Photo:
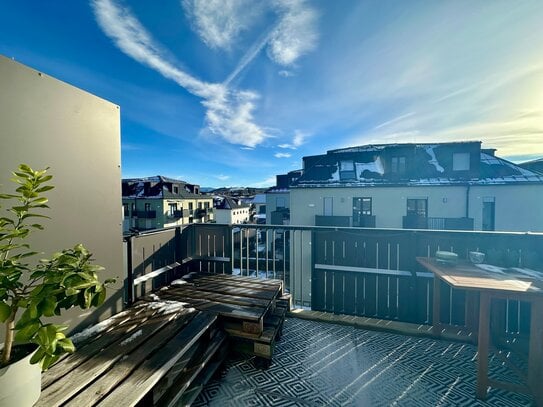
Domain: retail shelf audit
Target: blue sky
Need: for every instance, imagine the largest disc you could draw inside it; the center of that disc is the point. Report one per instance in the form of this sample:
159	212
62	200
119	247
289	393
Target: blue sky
233	92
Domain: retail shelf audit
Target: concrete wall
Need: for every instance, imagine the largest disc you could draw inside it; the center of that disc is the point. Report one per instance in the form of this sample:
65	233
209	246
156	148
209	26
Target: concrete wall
518	208
232	216
48	123
271	203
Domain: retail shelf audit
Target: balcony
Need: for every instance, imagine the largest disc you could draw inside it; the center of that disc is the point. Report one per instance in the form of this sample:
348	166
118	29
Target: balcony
145	214
365	278
433	223
344	221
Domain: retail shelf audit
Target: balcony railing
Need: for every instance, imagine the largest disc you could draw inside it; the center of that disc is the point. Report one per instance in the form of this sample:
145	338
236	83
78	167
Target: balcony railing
145	214
363	272
433	223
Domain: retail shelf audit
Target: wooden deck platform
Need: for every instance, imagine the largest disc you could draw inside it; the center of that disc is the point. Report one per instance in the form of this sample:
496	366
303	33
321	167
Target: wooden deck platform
163	350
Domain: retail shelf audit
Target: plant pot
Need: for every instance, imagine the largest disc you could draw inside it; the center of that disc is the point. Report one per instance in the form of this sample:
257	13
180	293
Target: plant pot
20	383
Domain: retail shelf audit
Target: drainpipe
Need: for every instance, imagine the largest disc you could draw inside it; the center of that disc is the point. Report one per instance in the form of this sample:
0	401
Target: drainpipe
467	200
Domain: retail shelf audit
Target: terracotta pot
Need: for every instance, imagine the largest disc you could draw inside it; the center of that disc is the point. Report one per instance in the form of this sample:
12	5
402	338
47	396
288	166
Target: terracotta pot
20	383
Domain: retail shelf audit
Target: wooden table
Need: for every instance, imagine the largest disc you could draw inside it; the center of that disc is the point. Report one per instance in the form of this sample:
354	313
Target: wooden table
491	285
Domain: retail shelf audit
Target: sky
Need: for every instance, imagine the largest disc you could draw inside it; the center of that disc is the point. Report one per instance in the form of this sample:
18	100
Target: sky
234	92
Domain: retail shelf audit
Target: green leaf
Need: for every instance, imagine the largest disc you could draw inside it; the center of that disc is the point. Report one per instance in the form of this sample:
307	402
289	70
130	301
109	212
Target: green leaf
36	357
66	345
25	334
5	311
71	291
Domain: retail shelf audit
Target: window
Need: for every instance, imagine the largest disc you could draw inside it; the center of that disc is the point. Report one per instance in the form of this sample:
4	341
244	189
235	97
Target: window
362	206
125	210
398	165
327	206
191	206
346	170
280	202
206	205
461	161
175	189
147	207
417	207
199	205
172	208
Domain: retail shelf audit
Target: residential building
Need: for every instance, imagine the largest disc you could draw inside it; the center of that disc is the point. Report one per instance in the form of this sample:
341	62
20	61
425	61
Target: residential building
229	211
259	204
428	186
159	202
278	198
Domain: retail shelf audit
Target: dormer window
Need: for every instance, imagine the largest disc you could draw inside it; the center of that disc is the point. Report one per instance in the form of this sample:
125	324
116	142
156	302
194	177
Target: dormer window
461	161
398	165
346	170
175	189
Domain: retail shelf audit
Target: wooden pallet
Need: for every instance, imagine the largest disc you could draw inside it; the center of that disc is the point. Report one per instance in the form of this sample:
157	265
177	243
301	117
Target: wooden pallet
148	356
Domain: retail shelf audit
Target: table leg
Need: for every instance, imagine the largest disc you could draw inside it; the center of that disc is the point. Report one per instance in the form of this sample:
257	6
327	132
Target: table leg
436	324
535	358
483	345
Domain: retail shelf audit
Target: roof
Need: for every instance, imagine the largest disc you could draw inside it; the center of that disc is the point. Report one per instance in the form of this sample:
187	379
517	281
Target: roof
156	187
227	202
427	164
259	199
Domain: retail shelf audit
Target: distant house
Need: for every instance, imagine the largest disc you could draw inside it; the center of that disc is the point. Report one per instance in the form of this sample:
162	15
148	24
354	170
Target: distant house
533	165
259	203
158	202
229	211
278	198
430	186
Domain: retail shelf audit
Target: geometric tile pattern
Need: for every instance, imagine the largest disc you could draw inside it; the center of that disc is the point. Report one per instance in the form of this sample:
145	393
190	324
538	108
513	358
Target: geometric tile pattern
321	364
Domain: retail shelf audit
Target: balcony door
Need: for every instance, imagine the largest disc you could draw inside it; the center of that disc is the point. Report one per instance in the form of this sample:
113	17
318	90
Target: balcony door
361	208
328	206
489	213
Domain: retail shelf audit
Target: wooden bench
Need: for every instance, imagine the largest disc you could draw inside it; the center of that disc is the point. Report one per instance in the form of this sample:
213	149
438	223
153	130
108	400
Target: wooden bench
163	349
147	356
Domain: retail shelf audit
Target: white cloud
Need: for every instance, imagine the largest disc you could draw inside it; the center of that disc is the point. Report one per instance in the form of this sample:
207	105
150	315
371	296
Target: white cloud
282	155
229	112
296	32
220	22
298	139
268	182
223	177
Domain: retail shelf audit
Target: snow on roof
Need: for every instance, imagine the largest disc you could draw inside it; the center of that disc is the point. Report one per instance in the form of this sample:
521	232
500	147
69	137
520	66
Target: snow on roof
374	166
433	159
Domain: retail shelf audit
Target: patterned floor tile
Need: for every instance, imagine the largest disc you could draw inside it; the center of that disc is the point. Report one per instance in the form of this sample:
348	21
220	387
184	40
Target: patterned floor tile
318	364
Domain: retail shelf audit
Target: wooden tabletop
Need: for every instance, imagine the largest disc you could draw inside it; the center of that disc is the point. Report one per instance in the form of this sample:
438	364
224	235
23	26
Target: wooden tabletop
484	277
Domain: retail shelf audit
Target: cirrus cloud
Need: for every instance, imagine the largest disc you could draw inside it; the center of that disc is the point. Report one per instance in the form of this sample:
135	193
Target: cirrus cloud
229	112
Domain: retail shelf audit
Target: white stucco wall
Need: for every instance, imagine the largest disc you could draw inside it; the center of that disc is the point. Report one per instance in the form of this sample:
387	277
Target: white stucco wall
232	216
518	208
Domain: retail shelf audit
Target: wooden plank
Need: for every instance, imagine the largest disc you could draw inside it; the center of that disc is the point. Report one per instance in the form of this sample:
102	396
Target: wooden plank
339	292
253	280
90	348
172	396
237	283
329	292
243	292
122	369
317	297
180	293
349	306
150	372
62	390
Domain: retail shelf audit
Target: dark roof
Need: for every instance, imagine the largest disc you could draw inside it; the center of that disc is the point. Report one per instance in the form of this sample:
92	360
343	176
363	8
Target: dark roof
426	164
157	187
227	202
533	165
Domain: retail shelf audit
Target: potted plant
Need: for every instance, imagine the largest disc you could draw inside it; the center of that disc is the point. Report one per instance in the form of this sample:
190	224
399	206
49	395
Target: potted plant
32	290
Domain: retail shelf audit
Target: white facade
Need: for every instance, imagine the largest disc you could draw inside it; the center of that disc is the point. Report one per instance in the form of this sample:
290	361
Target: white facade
517	207
232	216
